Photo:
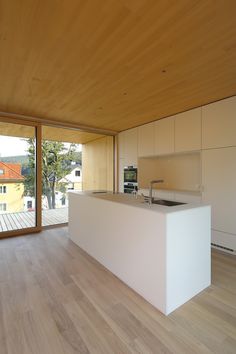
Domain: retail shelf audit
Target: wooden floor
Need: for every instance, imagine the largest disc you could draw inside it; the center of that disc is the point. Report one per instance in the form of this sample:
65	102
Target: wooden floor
54	298
16	221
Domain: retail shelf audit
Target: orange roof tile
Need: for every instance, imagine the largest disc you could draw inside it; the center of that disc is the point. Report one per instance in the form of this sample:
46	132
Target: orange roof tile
10	171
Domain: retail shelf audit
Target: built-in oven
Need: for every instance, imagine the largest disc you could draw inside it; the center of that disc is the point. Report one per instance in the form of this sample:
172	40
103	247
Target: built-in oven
130	179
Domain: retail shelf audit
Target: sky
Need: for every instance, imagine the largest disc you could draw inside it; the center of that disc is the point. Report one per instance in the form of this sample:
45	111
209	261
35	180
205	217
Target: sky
12	146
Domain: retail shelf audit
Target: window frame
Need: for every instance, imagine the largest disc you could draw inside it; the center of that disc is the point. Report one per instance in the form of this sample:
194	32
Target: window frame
2	204
31	203
38	174
3	189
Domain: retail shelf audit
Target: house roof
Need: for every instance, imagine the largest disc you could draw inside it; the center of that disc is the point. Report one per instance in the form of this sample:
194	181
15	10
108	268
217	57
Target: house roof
12	171
70	178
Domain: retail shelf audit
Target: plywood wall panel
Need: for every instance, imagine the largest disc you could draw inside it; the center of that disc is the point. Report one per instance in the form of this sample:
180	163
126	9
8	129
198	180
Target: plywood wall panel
97	164
179	172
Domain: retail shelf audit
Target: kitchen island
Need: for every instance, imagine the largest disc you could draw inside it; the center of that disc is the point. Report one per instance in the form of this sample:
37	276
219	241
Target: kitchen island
161	252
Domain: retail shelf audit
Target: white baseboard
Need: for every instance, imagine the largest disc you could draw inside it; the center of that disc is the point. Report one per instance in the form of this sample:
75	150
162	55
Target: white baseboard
225	240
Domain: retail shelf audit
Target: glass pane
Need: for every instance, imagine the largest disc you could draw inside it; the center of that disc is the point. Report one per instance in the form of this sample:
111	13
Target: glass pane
62	151
17	177
62	171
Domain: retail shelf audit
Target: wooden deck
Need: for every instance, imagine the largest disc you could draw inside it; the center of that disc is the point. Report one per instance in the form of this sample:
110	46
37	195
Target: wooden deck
16	221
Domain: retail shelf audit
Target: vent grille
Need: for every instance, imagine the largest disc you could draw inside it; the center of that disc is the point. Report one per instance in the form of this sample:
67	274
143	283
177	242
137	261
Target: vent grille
223	248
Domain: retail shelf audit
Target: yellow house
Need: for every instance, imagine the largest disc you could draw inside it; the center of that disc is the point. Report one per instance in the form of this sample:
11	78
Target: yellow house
11	188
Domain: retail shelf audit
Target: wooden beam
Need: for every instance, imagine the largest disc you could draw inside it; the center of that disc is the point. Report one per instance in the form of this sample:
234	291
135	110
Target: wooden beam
38	172
55	123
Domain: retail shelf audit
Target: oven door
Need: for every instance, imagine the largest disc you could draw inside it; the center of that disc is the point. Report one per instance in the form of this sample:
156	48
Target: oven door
130	187
130	175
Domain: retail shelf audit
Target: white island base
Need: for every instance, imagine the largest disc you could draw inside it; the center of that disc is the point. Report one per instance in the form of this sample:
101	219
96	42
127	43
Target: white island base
163	253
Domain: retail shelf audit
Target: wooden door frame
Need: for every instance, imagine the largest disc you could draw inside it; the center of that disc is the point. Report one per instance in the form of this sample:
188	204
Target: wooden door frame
38	171
38	124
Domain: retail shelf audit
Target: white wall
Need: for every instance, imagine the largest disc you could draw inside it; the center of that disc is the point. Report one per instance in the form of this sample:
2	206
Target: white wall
210	129
72	176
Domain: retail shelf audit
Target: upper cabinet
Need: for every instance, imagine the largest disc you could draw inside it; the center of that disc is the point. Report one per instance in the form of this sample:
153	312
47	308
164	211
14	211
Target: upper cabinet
128	146
188	131
219	124
164	136
146	140
210	126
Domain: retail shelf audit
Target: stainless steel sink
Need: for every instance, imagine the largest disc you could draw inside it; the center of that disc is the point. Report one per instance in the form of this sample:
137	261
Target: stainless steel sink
99	192
165	202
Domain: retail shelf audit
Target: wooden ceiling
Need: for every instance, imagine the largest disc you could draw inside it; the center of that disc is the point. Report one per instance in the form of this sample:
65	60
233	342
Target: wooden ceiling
69	136
48	133
115	64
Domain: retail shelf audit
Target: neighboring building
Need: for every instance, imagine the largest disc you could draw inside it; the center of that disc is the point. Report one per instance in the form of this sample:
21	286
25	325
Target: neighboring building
74	179
61	201
29	203
11	188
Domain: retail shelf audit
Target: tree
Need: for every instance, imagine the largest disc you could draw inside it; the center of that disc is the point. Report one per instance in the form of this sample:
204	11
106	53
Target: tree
56	164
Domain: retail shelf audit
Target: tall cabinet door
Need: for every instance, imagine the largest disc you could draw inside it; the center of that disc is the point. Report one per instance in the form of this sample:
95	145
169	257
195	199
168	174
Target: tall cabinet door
146	139
131	147
219	124
219	183
188	130
164	136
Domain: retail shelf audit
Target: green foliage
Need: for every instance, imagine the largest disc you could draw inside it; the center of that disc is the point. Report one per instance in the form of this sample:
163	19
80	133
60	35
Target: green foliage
56	164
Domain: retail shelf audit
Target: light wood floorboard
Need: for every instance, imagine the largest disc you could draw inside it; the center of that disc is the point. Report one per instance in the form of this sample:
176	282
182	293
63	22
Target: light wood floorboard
54	298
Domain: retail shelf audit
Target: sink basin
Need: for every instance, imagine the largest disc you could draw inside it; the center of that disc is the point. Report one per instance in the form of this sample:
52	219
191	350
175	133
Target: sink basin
99	192
165	202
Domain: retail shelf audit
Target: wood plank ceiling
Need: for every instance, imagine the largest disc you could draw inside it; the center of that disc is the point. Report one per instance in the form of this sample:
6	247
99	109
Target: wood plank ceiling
115	64
48	133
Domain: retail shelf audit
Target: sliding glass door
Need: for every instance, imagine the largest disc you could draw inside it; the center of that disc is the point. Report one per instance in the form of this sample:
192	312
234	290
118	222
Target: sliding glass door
39	165
61	172
18	179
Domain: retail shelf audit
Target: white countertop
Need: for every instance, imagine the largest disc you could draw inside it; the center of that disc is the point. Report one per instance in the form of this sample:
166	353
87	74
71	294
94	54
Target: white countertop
137	201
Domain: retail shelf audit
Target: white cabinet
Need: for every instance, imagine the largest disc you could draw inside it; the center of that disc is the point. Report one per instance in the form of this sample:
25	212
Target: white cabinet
164	136
219	124
146	140
219	187
188	130
131	146
127	151
121	145
121	175
128	146
180	133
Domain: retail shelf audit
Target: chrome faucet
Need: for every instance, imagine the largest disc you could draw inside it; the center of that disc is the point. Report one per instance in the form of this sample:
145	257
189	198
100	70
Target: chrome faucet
150	189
